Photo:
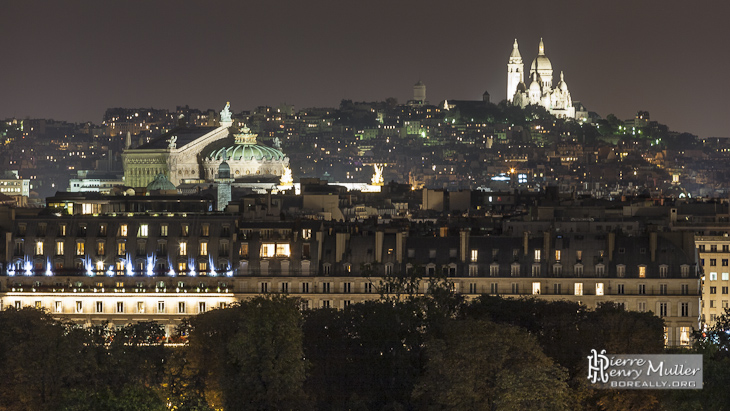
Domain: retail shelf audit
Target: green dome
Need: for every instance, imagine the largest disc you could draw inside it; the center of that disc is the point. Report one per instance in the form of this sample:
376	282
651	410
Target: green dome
160	183
246	152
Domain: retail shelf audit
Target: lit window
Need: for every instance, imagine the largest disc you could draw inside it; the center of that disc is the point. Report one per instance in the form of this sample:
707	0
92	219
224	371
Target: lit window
144	230
306	233
39	248
100	265
100	248
203	248
267	250
578	289
160	307
535	288
557	255
79	307
121	248
123	230
163	230
80	248
205	230
713	276
120	307
599	288
538	255
140	307
59	247
474	255
182	266
181	307
282	250
183	248
642	271
243	250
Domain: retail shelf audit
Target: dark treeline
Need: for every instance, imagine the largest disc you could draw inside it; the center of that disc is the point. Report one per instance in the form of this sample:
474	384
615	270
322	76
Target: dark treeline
433	352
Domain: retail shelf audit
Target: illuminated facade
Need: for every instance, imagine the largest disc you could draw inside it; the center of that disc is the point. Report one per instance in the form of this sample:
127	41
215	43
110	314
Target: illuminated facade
153	265
714	260
540	91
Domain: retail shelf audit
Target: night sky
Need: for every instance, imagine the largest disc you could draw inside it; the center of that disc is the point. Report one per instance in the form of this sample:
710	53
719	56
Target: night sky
70	60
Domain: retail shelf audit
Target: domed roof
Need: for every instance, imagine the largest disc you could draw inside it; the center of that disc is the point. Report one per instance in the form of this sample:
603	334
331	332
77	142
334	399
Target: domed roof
246	149
522	86
160	183
535	85
541	62
561	84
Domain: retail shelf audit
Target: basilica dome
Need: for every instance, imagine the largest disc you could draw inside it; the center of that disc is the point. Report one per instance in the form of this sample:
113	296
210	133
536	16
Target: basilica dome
246	157
541	63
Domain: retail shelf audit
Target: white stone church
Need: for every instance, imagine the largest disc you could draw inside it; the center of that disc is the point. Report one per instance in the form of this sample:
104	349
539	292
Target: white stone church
540	92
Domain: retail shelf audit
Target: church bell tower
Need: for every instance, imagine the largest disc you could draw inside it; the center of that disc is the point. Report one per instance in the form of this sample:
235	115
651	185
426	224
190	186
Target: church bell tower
515	71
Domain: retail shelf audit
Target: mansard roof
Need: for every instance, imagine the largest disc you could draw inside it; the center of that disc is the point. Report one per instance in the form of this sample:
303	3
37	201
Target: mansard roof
185	135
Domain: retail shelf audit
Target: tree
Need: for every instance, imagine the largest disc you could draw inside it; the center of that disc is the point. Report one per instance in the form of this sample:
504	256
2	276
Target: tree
479	365
250	356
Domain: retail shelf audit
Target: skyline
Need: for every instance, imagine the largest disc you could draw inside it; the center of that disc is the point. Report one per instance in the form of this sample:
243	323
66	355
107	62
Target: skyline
667	60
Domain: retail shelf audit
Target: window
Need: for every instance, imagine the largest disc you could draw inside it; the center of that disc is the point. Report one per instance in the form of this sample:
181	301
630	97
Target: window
724	290
535	288
163	230
724	304
38	247
264	287
684	309
620	289
599	288
663	289
557	255
204	248
557	289
642	288
578	270
100	248
685	289
578	289
713	276
713	290
283	250
494	288
600	270
494	270
725	276
474	255
642	271
368	288
59	247
663	270
267	250
620	270
80	248
662	309
305	288
684	270
243	250
182	266
579	255
557	269
432	253
99	307
181	307
58	307
140	307
144	230
515	288
684	333
201	307
205	230
185	230
473	270
641	306
536	270
160	307
79	307
325	287
538	255
62	230
123	230
515	270
285	288
347	288
306	233
325	303
120	307
713	262
183	248
121	248
202	266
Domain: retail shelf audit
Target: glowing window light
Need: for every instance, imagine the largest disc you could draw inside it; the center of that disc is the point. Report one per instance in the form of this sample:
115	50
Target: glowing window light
150	266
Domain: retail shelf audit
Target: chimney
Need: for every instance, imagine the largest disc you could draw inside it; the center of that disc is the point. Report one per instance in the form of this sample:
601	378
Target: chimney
546	244
464	245
379	235
652	245
525	242
611	245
